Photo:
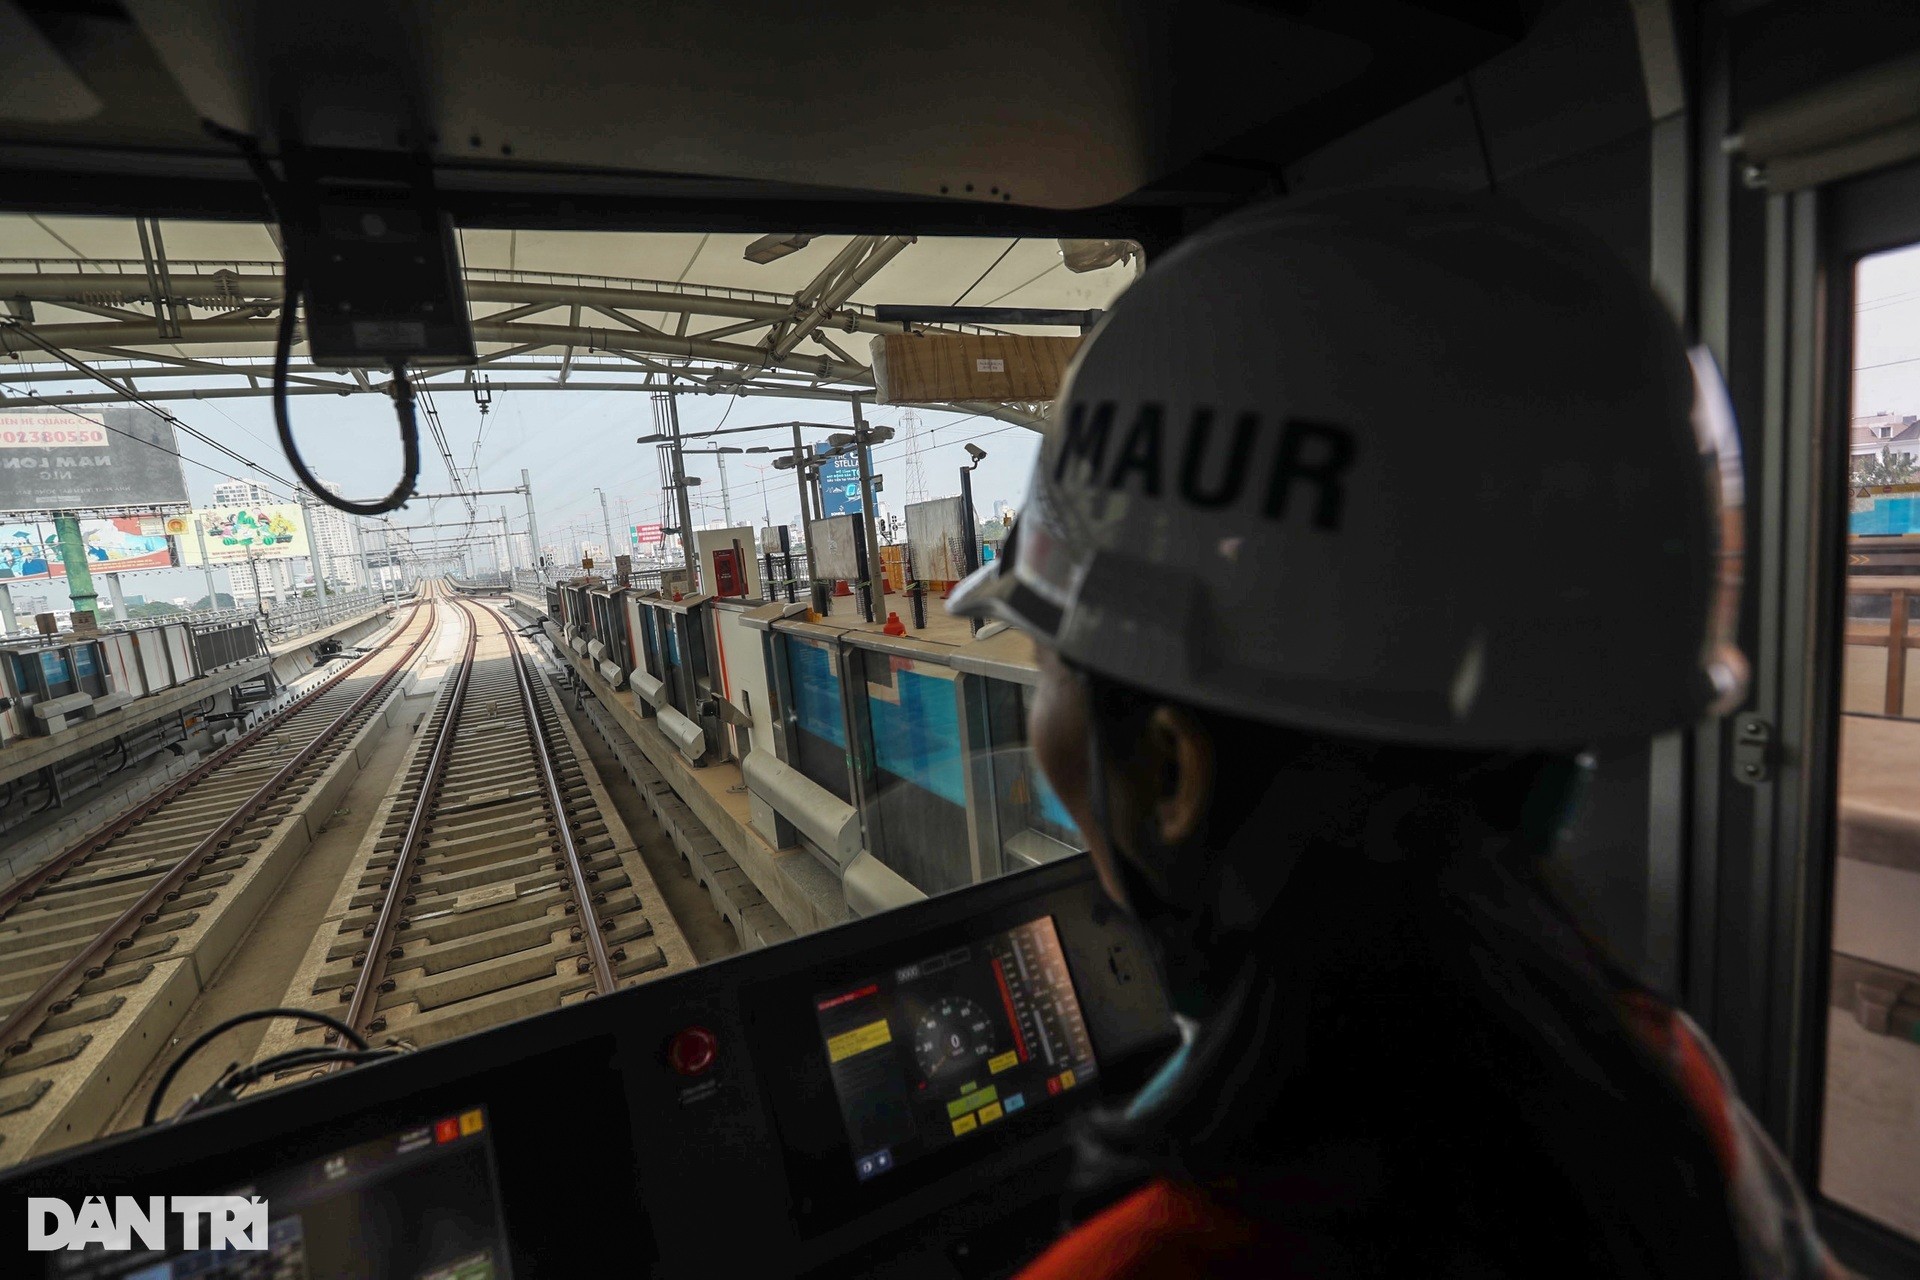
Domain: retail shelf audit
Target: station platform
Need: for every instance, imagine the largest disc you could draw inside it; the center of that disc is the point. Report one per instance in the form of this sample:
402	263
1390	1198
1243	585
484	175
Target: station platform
287	660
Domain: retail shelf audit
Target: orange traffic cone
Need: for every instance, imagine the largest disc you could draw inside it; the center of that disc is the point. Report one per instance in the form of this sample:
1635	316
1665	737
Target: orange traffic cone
894	626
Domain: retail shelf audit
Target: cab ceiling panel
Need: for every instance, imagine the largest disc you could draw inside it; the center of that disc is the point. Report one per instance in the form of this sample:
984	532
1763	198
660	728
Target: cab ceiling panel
1060	104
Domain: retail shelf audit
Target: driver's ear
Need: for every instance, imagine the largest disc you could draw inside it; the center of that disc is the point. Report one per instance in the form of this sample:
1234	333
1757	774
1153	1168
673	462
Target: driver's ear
1182	759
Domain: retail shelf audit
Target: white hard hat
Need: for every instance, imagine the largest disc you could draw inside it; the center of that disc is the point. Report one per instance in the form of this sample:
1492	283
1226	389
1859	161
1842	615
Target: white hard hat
1414	468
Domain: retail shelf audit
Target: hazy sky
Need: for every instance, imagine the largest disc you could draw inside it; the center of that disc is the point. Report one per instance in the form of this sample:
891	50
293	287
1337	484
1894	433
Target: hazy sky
570	441
1887	333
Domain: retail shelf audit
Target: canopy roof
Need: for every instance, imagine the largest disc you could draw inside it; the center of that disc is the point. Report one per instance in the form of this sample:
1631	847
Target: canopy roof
159	308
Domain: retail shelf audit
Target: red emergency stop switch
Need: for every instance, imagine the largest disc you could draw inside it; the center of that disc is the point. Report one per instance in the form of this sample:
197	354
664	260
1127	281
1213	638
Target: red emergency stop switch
692	1052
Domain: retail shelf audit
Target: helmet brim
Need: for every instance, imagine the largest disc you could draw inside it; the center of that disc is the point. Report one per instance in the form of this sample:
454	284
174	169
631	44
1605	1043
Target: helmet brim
995	592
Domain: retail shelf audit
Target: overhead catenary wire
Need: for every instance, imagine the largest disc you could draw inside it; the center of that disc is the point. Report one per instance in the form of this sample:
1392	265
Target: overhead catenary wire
153	444
133	397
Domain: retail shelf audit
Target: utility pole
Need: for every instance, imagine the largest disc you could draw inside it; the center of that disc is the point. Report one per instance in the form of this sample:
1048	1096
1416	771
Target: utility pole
73	558
876	576
606	521
314	556
680	486
360	545
206	565
253	567
800	474
726	502
533	526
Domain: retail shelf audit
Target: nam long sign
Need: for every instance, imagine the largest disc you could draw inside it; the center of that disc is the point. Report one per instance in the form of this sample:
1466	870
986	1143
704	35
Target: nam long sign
121	456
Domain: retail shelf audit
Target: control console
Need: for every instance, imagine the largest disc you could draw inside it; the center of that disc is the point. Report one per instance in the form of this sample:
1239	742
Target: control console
892	1094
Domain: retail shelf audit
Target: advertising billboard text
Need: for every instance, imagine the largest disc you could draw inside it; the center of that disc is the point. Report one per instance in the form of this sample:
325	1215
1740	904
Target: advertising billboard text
32	549
840	482
236	534
117	456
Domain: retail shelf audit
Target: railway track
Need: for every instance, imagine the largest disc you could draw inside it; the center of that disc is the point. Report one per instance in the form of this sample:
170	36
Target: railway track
103	947
498	881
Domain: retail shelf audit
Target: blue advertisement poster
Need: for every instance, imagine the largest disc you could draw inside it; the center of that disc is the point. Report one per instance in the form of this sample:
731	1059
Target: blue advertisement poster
840	482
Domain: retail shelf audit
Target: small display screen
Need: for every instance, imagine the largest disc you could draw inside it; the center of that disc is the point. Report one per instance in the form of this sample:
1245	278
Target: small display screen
946	1048
421	1204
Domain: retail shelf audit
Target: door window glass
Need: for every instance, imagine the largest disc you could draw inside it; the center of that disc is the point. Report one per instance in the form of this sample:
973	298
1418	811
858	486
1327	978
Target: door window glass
1870	1150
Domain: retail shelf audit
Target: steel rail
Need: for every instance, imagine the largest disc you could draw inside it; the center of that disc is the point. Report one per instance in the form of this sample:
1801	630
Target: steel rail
603	975
16	1030
372	978
25	886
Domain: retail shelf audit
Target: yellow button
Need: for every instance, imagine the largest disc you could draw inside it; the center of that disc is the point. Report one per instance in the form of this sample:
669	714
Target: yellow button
1066	1079
965	1124
469	1123
1008	1059
989	1114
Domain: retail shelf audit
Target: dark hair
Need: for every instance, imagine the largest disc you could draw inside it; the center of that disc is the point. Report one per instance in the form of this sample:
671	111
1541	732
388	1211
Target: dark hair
1417	1018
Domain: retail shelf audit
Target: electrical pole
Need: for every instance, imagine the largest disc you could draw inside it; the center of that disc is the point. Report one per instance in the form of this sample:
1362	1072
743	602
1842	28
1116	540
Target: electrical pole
876	576
73	558
253	567
206	565
726	502
533	526
680	485
314	557
606	520
800	474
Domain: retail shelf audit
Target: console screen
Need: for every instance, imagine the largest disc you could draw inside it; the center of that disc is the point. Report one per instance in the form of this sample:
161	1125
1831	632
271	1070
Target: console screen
421	1204
951	1045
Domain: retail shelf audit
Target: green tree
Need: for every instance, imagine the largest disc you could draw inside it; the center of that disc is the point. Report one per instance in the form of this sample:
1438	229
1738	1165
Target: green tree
1885	467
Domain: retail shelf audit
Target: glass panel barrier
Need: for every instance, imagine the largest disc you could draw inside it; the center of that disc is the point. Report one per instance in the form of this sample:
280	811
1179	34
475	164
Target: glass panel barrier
918	824
813	670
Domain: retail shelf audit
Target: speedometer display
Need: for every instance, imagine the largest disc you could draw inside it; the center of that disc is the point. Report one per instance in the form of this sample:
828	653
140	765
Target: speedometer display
952	1038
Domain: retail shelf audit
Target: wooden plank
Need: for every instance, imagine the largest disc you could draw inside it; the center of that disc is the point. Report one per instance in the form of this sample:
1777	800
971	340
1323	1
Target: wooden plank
934	368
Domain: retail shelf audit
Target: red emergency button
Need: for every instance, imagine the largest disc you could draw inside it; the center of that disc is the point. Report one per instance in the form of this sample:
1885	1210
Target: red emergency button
692	1051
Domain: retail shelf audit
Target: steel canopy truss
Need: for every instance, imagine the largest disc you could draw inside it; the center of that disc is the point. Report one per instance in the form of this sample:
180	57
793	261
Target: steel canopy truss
157	320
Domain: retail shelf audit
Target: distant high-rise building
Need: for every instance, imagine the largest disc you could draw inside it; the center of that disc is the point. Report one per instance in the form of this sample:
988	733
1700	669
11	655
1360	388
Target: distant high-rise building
330	534
235	493
1002	510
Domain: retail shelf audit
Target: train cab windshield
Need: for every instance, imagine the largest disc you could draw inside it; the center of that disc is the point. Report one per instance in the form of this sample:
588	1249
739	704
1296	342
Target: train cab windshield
1087	640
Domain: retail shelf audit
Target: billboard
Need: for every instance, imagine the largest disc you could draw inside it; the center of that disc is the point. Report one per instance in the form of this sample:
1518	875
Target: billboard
32	549
118	456
646	535
840	482
235	535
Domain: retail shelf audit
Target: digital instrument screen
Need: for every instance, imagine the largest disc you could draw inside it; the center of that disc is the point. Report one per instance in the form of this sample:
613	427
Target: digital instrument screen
944	1049
422	1204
